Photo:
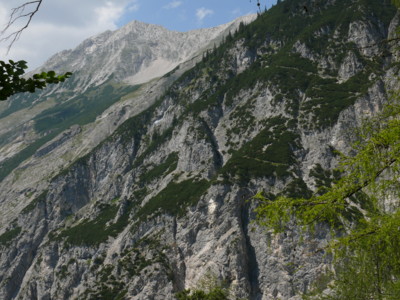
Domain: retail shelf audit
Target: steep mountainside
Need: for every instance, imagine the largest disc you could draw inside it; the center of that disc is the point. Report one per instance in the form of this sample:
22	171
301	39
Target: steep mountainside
161	203
106	69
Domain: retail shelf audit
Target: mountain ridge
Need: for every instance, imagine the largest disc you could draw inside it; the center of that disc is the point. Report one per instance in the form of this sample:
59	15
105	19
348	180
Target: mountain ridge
173	46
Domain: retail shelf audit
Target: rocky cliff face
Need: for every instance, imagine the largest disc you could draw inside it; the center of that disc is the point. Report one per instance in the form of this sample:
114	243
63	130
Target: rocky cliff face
161	203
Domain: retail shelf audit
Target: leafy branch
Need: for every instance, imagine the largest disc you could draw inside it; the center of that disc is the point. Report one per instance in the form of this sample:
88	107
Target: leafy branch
12	80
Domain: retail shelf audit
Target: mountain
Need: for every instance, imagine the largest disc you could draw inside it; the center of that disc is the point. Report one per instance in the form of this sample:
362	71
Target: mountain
151	197
118	62
137	52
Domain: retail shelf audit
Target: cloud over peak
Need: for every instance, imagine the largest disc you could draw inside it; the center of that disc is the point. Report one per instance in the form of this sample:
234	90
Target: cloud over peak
203	12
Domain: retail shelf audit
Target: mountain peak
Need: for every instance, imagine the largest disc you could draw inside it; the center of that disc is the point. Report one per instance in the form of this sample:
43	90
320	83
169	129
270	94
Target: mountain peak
137	52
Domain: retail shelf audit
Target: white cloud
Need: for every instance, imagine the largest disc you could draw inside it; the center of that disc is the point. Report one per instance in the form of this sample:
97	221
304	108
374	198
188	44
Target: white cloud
173	4
109	13
203	12
60	25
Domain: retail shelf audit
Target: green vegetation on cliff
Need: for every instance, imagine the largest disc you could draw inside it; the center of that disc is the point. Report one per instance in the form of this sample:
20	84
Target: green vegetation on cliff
363	203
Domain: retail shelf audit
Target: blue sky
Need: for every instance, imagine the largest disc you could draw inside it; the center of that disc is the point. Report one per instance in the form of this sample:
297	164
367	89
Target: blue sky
184	15
64	24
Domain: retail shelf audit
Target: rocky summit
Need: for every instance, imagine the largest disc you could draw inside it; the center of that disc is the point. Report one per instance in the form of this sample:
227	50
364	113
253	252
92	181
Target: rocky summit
134	179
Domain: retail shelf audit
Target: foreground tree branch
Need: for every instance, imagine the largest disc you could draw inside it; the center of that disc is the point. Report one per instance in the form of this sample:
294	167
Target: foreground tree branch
13	82
18	13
